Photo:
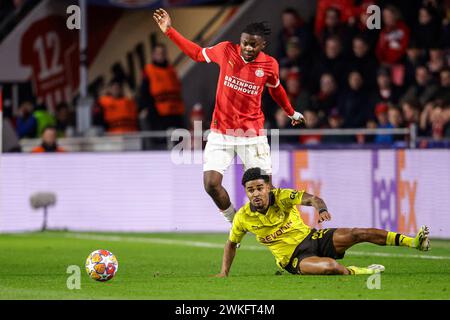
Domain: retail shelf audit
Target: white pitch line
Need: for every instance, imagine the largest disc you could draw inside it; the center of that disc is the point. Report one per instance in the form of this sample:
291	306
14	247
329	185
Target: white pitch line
200	244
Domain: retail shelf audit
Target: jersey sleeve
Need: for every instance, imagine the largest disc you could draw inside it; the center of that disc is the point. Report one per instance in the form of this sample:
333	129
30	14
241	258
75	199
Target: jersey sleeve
291	197
215	53
237	231
273	80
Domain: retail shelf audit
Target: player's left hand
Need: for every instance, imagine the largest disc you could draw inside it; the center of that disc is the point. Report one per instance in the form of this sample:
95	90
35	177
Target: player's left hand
324	216
297	118
297	122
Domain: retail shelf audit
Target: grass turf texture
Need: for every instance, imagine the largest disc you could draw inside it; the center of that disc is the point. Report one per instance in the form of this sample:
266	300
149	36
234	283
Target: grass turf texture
178	266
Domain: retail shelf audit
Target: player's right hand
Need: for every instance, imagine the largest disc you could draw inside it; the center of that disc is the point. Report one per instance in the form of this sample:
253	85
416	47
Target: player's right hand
163	20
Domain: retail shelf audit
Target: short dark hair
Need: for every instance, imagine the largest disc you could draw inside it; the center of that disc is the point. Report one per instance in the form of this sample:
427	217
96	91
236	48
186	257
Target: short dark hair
258	29
254	174
292	11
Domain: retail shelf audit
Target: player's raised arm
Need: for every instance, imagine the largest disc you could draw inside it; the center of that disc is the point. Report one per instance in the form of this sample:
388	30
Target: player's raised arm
316	202
228	255
191	49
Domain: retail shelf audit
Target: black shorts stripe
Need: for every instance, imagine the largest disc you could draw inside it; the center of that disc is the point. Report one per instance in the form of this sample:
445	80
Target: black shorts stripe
397	239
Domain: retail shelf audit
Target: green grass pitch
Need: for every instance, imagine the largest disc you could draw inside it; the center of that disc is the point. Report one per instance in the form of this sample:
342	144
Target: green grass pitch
178	266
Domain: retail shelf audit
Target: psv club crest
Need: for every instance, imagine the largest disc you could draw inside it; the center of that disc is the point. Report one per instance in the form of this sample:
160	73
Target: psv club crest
259	73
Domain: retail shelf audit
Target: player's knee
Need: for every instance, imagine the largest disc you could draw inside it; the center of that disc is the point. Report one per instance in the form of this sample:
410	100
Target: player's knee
212	187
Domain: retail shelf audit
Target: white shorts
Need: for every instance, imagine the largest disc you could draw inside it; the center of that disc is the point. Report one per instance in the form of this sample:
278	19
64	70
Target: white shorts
221	149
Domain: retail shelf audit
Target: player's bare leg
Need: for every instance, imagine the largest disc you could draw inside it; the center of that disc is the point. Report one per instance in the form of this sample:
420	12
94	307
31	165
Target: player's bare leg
212	181
344	238
322	266
328	266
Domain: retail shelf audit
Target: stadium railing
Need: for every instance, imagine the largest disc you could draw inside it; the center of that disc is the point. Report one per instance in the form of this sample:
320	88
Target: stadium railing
166	140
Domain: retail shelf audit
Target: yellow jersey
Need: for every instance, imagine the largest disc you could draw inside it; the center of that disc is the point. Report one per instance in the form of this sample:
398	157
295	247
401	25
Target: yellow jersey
281	228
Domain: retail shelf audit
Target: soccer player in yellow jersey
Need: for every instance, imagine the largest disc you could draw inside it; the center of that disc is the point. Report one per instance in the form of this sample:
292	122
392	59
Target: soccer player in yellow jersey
273	217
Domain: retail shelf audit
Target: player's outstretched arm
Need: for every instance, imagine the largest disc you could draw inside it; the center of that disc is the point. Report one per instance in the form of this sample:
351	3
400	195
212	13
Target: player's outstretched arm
228	255
316	202
191	49
279	95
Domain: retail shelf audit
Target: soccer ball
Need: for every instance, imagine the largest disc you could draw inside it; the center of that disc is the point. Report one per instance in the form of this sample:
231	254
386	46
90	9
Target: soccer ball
101	265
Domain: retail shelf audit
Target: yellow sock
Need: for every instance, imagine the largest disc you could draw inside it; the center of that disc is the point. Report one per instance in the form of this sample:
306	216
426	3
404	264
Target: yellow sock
397	239
359	270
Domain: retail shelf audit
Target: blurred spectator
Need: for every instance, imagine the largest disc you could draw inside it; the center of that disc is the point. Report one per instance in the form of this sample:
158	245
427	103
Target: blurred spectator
443	92
333	27
293	26
64	120
424	89
414	58
326	99
26	123
446	115
394	37
345	7
294	61
364	61
395	117
386	91
381	113
408	9
427	32
411	112
332	61
360	26
116	112
293	86
353	102
336	121
436	62
445	34
161	103
49	142
283	122
368	138
311	122
433	120
44	118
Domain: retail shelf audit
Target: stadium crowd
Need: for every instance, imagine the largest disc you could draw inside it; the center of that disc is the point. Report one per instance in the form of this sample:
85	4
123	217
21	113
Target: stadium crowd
340	74
336	71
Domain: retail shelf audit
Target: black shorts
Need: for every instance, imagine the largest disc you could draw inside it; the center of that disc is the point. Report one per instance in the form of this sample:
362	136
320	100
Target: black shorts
318	243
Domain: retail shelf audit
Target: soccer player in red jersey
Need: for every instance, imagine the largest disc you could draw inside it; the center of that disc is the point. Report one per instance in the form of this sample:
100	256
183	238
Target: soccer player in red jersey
238	121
